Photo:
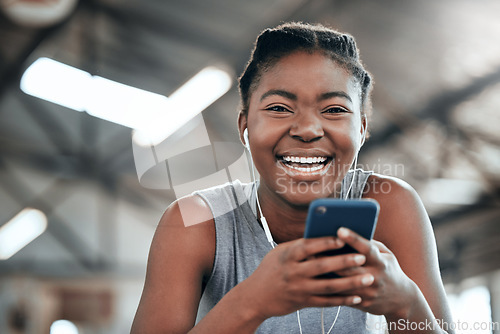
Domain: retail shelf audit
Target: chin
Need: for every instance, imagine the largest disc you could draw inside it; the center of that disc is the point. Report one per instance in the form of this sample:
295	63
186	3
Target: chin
301	193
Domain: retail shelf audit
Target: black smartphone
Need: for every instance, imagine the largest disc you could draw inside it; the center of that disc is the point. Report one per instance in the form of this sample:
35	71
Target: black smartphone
327	215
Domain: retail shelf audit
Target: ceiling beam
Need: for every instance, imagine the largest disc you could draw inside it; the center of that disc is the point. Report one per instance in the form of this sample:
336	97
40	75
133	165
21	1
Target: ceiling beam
438	108
13	71
56	225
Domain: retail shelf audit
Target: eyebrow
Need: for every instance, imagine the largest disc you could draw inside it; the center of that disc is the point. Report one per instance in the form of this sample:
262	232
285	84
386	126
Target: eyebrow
291	96
329	95
279	92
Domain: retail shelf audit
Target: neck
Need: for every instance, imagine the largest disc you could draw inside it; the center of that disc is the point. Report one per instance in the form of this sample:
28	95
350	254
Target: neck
286	221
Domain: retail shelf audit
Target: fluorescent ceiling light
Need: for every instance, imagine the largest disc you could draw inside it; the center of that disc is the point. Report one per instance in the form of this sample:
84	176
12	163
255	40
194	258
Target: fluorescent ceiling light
185	103
58	83
20	231
154	116
128	106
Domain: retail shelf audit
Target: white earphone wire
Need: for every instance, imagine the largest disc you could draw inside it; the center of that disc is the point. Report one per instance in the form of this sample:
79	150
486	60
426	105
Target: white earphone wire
263	220
269	236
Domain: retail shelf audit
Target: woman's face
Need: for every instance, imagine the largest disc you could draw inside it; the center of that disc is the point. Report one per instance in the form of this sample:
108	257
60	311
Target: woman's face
304	127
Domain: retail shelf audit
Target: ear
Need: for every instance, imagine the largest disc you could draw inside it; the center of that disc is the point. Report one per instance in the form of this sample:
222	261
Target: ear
242	125
363	130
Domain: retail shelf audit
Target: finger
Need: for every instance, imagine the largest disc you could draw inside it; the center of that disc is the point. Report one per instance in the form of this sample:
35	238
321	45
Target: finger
339	285
351	271
362	245
382	248
305	248
329	301
327	264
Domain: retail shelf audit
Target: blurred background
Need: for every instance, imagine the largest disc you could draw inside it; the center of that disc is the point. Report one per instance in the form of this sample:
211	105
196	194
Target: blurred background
97	191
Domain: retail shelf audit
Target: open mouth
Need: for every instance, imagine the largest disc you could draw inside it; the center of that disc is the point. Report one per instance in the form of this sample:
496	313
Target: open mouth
312	165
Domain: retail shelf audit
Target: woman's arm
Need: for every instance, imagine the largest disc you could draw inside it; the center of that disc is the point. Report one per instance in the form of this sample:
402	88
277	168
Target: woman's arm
180	261
181	256
407	287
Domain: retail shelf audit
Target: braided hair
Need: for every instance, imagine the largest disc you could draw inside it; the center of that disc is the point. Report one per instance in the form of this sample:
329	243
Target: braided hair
275	43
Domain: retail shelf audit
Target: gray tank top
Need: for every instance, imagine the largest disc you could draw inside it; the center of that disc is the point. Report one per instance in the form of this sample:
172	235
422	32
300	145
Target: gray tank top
240	246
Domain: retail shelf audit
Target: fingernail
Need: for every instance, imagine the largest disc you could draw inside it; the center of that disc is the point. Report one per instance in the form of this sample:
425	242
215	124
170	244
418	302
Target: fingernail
367	279
356	300
343	232
359	259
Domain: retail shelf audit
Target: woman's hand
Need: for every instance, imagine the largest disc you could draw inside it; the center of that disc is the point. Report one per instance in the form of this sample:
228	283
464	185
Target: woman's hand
391	292
285	280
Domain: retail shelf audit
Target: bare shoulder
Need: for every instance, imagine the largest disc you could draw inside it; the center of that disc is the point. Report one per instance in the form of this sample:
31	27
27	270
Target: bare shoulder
187	226
405	228
186	232
180	261
187	211
384	188
402	214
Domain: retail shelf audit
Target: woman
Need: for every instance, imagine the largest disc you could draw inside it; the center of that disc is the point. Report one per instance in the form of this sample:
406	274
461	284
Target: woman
305	99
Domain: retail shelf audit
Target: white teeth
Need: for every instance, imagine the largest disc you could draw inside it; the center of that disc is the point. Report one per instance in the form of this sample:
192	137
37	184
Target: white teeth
307	169
304	160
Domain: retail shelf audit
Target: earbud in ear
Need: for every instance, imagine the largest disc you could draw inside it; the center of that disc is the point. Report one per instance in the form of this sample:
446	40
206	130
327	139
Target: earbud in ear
363	140
363	126
245	138
363	137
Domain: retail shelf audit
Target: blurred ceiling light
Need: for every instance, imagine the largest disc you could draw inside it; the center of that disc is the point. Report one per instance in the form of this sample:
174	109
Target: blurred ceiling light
20	231
452	191
58	83
154	116
128	106
185	103
63	327
38	13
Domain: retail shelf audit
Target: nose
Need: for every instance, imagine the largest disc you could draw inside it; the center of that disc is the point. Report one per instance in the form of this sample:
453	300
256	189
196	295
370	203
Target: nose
307	128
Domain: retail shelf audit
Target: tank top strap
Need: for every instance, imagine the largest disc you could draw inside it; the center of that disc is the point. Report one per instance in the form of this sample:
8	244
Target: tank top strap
356	181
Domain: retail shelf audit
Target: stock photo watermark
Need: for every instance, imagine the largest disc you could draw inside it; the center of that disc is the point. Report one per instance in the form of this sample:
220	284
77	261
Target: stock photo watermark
427	325
189	161
320	187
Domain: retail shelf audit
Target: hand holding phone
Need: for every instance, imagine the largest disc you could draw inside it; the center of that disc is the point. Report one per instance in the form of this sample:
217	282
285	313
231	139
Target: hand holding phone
327	215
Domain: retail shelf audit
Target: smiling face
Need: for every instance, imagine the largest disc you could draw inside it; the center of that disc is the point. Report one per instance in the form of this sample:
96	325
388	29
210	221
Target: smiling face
304	127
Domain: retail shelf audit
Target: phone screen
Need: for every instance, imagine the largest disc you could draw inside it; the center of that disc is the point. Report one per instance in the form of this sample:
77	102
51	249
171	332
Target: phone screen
327	215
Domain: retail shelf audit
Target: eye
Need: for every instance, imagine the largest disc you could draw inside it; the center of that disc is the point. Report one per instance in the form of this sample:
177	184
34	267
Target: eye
278	108
336	110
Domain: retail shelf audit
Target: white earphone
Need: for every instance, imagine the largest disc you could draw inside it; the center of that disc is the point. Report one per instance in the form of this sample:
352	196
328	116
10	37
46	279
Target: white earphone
364	134
245	139
262	218
247	144
267	231
363	139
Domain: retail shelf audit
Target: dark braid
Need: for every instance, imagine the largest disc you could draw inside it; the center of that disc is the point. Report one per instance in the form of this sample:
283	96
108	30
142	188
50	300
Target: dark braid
273	44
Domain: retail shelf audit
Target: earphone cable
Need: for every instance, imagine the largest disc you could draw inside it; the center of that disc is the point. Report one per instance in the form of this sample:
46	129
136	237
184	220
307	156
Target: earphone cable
271	241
